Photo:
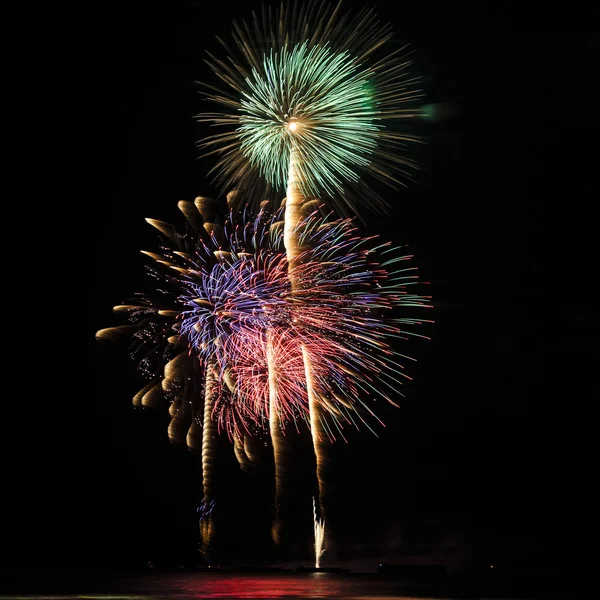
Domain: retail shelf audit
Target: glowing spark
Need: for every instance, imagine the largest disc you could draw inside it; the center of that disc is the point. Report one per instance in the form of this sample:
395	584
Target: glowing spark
319	529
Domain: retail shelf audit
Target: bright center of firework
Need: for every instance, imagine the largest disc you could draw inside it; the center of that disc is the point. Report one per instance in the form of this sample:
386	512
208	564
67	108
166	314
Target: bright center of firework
292	126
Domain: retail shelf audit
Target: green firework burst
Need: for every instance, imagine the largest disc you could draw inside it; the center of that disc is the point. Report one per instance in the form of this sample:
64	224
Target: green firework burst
307	82
312	102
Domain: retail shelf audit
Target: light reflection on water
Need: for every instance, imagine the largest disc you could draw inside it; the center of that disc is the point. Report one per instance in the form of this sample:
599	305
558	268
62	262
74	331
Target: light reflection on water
188	586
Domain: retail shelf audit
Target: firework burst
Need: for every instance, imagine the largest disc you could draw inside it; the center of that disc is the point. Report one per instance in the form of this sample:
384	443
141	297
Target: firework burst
240	340
176	331
297	86
350	300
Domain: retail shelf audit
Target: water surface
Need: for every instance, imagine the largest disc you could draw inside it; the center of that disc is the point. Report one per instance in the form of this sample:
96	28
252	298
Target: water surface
232	585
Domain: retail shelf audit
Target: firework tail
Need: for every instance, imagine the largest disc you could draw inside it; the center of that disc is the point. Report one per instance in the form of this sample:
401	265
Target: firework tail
316	429
319	529
240	452
240	438
294	204
207	208
278	441
209	435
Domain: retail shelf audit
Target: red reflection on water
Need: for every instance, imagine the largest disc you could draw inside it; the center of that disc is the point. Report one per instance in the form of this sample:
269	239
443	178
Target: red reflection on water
193	586
315	585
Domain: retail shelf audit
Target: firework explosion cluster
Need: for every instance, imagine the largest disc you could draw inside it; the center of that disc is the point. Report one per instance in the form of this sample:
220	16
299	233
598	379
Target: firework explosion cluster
280	316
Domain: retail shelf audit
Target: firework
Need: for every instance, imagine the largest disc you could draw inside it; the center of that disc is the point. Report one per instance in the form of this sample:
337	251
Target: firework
305	85
175	331
215	284
319	531
350	300
319	351
240	340
305	104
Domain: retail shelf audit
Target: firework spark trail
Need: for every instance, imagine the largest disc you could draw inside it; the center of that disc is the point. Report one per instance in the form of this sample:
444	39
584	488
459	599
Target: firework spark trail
316	428
209	435
319	530
293	217
240	451
206	209
277	438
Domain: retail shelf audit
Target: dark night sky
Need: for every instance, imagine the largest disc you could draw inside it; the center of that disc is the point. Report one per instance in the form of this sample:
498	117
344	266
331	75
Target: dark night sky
488	449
